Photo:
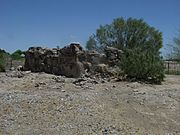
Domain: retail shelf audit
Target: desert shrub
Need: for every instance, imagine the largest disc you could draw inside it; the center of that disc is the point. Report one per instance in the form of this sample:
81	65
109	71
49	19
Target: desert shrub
143	66
2	68
2	60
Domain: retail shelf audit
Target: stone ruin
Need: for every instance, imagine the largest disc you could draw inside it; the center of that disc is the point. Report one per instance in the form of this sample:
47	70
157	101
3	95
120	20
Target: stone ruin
70	61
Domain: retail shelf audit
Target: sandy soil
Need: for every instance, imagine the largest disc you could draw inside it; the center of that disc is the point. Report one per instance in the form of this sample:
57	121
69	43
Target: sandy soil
39	103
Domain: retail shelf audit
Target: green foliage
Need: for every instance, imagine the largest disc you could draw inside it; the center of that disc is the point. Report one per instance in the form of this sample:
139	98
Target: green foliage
141	44
2	67
129	33
143	66
91	43
2	63
17	55
3	56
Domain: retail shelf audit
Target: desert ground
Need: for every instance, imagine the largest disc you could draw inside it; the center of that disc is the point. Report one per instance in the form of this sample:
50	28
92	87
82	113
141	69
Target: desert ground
44	104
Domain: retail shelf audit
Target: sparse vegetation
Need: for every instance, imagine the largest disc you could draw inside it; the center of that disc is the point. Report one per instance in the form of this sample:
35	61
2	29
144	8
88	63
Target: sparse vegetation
6	58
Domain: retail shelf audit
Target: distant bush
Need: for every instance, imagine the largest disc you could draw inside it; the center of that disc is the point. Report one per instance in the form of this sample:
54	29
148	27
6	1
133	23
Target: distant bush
3	56
17	55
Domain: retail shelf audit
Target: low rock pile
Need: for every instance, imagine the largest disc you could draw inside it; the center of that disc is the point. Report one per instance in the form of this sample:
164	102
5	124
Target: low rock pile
70	61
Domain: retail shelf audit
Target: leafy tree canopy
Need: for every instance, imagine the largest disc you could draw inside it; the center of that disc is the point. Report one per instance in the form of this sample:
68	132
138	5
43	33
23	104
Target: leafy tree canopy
139	41
123	34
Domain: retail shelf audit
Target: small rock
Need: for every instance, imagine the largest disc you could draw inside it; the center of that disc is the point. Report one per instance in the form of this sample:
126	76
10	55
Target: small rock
36	85
133	85
27	72
59	79
103	81
40	88
95	82
2	81
105	131
19	68
143	93
42	83
63	90
56	87
67	95
135	90
86	87
12	68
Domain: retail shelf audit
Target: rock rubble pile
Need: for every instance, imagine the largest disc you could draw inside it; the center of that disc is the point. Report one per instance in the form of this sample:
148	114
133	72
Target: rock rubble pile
70	61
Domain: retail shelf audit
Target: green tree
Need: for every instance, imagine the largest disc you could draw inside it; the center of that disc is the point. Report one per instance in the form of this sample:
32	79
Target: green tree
91	43
142	65
141	44
175	54
17	55
130	33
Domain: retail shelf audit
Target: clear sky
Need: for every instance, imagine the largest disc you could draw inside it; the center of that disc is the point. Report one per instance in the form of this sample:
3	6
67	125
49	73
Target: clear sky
51	23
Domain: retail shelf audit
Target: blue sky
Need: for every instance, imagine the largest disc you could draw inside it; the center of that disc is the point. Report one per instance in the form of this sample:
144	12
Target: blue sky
51	23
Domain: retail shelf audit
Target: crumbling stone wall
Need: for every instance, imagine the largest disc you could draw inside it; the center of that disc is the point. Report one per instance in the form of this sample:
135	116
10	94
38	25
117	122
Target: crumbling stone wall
56	61
70	61
112	55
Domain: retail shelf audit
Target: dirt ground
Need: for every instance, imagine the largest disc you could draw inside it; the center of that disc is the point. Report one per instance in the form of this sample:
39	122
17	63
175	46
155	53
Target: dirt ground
44	104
